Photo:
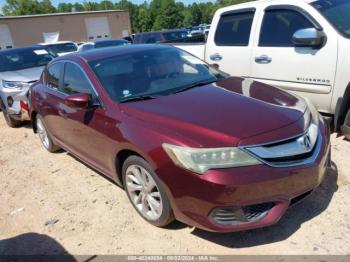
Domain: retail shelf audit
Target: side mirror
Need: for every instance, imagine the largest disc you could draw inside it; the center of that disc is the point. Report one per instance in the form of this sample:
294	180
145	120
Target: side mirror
309	37
78	101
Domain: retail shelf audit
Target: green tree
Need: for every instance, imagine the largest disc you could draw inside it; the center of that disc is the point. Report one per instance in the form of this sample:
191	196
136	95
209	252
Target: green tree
169	16
28	7
106	5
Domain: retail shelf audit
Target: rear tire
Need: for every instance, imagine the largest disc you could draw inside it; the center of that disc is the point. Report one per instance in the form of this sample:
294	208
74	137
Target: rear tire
346	126
44	136
145	192
10	121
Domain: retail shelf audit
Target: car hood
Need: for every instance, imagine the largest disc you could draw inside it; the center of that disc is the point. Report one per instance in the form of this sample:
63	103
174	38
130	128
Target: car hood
222	113
25	75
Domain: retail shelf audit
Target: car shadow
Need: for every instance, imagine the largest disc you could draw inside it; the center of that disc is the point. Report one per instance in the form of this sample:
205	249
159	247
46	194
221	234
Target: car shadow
307	209
33	245
176	225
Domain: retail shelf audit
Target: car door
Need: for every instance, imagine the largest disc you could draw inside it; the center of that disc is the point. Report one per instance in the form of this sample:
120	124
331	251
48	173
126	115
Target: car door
86	129
230	45
277	61
51	101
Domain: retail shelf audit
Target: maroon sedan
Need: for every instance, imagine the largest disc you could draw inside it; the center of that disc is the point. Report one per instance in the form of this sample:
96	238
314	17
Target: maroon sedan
185	140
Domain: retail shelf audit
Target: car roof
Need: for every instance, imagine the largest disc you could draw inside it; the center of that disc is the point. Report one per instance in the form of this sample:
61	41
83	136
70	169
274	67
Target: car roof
101	53
56	43
162	31
110	40
28	48
255	3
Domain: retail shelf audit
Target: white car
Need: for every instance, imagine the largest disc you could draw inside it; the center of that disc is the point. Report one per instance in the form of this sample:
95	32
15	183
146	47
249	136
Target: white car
60	48
19	69
301	46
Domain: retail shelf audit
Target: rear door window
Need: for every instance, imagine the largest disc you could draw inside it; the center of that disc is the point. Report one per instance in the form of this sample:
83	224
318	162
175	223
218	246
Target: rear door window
234	29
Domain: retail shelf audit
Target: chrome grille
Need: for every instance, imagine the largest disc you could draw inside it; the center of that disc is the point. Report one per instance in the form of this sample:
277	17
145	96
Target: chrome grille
295	151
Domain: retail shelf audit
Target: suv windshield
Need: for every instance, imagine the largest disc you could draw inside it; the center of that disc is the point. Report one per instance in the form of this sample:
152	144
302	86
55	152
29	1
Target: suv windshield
57	49
336	12
19	59
154	72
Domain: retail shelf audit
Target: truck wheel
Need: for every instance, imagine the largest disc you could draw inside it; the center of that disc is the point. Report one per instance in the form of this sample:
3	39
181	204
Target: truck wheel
346	126
10	121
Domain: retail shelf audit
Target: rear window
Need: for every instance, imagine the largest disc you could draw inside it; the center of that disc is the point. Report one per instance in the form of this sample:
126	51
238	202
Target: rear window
110	43
234	29
19	59
57	49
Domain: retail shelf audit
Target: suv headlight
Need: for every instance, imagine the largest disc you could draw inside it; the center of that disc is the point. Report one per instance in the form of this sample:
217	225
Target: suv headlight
14	84
201	160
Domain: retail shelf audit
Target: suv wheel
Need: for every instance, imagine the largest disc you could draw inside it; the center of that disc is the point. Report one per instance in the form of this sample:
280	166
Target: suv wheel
10	121
346	127
145	192
45	136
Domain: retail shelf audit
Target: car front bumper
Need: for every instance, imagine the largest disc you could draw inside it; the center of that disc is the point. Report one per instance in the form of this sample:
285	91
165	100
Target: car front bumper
228	200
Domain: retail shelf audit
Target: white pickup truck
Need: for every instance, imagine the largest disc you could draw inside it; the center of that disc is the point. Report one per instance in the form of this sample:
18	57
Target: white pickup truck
298	45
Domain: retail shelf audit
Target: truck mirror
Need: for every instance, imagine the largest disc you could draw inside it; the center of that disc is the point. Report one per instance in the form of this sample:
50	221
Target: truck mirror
309	37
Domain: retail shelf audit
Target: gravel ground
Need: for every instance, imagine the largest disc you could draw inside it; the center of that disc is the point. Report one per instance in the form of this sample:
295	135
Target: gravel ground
52	203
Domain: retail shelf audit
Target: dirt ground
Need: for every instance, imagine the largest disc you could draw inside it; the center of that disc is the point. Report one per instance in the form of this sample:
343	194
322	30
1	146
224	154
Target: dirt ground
52	203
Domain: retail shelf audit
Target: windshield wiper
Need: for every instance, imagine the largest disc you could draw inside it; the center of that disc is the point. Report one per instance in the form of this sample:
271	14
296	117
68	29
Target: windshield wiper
193	85
137	98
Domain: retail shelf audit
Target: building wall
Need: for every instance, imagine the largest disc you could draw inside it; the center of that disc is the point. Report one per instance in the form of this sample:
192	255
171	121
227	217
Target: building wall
29	30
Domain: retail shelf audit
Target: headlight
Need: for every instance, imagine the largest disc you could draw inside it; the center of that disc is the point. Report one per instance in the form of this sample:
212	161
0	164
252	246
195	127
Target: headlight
201	160
14	84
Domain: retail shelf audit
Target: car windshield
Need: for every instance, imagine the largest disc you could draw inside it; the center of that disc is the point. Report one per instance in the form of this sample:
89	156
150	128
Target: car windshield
19	59
57	49
154	72
110	43
336	12
174	35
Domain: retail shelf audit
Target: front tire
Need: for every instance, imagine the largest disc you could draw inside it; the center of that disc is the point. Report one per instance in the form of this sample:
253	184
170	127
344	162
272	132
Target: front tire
10	121
346	126
146	192
45	136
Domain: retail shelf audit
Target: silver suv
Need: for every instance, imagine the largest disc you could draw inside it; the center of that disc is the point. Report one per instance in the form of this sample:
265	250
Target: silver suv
19	68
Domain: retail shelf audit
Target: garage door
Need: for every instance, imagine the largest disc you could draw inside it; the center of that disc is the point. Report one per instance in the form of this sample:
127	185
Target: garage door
5	37
97	28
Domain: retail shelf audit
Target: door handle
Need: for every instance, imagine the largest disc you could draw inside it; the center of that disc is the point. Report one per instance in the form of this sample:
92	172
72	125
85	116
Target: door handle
215	57
264	59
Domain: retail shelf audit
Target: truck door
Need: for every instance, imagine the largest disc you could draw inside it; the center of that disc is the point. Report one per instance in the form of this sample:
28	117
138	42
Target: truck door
307	71
229	45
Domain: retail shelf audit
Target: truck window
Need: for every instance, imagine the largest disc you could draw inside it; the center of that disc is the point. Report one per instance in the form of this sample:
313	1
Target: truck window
279	26
234	29
151	38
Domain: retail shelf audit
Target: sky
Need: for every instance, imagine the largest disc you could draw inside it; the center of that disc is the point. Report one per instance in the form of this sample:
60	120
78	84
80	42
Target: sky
56	2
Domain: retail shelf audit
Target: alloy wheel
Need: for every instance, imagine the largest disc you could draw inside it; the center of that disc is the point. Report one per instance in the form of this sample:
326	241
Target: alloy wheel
42	133
143	192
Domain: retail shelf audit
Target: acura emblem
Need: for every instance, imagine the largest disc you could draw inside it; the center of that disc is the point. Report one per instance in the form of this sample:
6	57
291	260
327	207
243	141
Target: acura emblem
307	141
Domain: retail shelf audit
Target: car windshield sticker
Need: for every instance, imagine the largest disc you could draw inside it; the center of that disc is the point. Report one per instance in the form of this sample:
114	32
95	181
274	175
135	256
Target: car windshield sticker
40	52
